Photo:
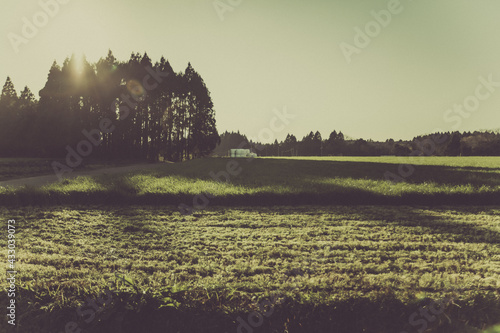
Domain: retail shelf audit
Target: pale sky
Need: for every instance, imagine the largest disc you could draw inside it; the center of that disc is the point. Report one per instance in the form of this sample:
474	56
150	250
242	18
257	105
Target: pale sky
272	54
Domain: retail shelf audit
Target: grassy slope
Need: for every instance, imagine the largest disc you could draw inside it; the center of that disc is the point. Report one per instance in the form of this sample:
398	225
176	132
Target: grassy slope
268	181
338	269
15	168
11	168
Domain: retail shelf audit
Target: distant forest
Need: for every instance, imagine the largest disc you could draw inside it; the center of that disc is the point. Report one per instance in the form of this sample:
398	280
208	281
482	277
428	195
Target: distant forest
139	110
484	143
143	111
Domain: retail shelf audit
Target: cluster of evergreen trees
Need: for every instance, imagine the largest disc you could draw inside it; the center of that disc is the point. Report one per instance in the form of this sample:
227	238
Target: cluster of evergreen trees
153	111
478	143
310	145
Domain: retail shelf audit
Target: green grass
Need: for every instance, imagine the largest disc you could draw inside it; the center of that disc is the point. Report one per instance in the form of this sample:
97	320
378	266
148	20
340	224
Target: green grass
272	181
15	168
492	162
337	269
11	168
342	247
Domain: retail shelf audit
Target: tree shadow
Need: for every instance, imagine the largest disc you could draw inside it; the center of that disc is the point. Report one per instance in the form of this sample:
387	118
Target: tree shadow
275	171
312	187
290	182
384	314
436	220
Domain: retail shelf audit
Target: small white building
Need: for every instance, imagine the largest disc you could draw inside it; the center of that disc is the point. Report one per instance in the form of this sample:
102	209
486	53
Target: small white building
242	153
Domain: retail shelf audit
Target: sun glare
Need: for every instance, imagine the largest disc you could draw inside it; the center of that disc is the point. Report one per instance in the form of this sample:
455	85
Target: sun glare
136	89
78	63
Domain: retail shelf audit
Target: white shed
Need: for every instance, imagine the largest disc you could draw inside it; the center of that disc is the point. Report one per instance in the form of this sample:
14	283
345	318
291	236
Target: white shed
241	153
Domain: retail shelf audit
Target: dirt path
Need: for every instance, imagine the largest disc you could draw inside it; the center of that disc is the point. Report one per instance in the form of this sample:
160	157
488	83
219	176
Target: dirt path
52	178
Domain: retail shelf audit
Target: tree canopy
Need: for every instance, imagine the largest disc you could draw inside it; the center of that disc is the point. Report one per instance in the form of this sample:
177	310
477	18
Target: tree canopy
153	112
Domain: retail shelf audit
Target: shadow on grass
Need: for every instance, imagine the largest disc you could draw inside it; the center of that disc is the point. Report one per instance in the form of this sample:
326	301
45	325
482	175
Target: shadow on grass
386	314
347	196
434	221
280	168
283	182
466	232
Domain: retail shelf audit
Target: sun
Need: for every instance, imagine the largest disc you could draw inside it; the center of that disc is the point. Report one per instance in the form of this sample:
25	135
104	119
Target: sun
78	63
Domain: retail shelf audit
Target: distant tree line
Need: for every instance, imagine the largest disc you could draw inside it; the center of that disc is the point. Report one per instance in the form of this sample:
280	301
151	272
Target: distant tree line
478	143
153	111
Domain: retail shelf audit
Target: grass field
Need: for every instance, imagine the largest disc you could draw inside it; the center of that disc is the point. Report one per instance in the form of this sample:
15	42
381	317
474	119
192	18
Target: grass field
11	168
325	181
325	267
326	263
14	168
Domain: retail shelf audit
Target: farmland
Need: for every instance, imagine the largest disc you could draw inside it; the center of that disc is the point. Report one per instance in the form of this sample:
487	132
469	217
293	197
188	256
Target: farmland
23	167
15	168
274	231
261	181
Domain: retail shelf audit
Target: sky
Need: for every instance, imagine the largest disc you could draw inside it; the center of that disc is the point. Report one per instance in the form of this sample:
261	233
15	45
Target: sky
371	69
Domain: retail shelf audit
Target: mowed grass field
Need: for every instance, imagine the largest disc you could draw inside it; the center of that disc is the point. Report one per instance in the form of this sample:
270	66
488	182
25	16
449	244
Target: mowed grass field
336	269
329	242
